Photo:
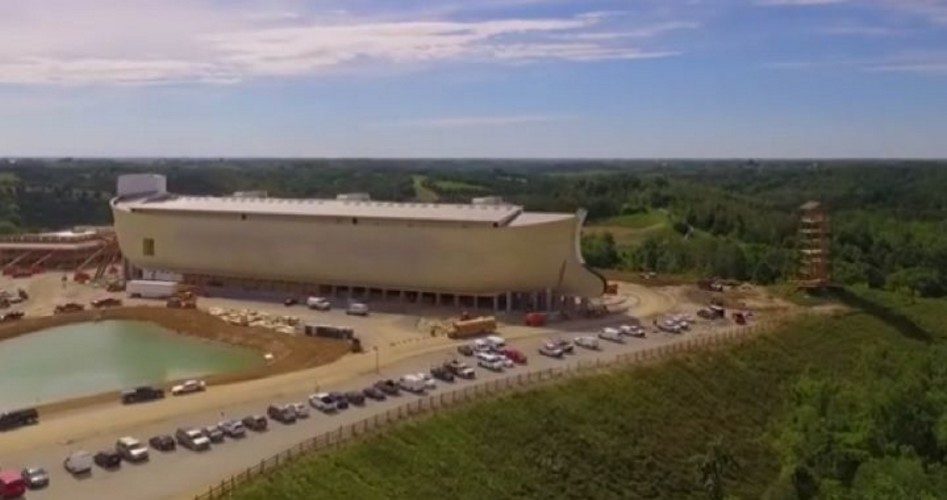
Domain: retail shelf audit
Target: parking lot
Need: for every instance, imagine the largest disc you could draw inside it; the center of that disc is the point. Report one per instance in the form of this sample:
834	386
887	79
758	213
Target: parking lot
182	473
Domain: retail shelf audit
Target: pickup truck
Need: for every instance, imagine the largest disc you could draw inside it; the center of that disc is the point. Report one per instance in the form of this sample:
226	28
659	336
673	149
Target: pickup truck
131	449
18	418
192	439
141	394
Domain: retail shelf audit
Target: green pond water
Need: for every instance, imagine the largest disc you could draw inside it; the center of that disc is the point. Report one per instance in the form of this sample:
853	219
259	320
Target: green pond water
89	358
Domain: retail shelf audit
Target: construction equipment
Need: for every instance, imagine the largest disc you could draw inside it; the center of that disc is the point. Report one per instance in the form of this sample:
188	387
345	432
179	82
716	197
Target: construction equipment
182	299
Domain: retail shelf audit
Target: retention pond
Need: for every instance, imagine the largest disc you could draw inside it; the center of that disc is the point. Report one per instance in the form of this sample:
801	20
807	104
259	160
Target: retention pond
89	358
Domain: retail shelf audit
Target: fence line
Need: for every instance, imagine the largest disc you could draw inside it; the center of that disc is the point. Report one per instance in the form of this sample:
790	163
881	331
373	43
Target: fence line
432	404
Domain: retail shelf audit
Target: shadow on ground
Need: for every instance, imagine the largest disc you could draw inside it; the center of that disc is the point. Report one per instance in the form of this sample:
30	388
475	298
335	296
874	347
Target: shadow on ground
903	324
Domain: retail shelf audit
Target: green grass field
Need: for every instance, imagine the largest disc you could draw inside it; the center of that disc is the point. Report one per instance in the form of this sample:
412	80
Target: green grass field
630	230
637	433
421	192
448	185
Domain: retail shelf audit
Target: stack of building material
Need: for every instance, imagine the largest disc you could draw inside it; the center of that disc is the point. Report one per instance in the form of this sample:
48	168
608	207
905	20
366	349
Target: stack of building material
249	317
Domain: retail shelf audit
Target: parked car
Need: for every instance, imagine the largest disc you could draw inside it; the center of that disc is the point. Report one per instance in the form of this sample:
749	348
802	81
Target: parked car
214	433
323	402
611	335
141	394
256	423
318	303
301	410
460	369
12	484
373	392
490	362
107	459
357	309
355	398
413	384
188	387
465	350
442	373
68	307
131	449
35	477
429	382
78	463
106	302
514	355
341	402
283	414
192	439
290	302
551	350
496	341
565	345
162	442
388	386
18	418
233	429
11	316
587	342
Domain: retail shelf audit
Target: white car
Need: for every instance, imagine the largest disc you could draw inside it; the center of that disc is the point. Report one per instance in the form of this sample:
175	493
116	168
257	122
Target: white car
131	449
429	382
669	326
357	309
79	462
496	341
507	362
318	303
626	329
188	387
490	362
611	335
323	402
300	410
587	342
413	383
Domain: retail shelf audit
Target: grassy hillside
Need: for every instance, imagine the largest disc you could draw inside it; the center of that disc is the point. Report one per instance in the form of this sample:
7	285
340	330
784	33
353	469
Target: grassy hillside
646	432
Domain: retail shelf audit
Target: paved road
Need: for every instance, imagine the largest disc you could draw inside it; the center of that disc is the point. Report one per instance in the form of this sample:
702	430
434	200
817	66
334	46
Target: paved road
182	473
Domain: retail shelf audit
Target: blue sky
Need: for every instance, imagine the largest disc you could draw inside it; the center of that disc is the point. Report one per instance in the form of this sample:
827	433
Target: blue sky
468	78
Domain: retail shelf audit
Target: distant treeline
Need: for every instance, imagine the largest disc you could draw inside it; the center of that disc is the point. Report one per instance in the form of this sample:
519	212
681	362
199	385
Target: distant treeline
734	219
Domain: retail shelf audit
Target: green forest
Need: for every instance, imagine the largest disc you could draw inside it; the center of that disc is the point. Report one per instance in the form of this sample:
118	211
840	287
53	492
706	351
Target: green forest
730	219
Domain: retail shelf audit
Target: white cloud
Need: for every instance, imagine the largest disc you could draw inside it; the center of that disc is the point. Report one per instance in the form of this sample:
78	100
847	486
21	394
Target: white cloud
82	42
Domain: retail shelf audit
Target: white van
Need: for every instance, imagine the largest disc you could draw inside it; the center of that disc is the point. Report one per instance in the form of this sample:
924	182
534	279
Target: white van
318	303
357	309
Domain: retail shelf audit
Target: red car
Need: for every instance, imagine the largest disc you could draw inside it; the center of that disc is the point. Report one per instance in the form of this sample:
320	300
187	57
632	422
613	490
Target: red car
515	356
12	484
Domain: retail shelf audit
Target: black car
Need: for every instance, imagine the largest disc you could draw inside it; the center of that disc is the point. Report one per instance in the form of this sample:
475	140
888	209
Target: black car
233	429
283	414
214	433
107	459
141	394
442	373
465	350
255	423
341	402
162	442
374	393
355	398
18	418
290	302
35	477
389	387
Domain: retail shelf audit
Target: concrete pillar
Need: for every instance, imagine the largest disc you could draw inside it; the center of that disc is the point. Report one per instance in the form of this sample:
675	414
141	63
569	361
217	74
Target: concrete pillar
509	302
496	303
